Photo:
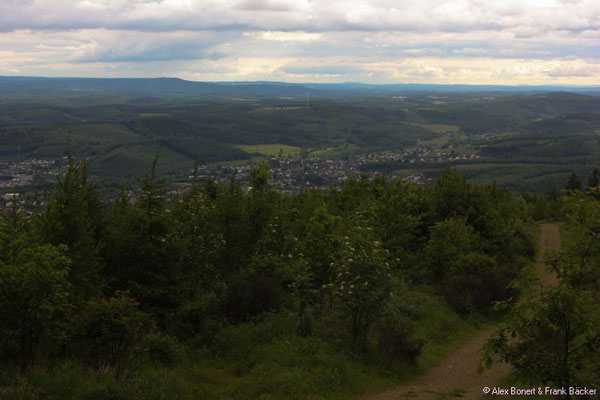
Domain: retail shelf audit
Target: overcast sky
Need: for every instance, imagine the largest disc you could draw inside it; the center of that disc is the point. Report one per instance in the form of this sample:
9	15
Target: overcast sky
377	41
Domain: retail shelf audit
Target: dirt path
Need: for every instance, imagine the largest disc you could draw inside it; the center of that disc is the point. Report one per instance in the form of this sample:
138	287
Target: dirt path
456	376
549	240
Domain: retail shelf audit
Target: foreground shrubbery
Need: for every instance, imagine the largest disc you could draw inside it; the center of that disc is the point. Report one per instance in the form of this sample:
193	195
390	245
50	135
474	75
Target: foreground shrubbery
262	359
552	337
224	294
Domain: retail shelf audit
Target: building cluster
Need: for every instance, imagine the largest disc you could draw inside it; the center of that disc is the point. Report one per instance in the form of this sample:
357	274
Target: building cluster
485	135
290	173
16	177
416	155
15	174
297	173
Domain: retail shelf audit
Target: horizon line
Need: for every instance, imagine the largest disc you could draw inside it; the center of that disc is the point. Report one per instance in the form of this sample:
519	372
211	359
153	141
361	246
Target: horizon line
309	83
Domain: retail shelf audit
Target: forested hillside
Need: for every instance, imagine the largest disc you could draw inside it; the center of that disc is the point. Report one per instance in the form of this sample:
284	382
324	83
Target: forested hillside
525	139
221	293
209	129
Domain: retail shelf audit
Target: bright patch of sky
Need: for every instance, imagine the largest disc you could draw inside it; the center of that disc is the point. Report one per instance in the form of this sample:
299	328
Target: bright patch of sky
378	41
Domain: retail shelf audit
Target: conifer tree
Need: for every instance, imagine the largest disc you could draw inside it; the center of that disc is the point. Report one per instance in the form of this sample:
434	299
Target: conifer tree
141	252
262	200
593	186
201	244
35	293
594	179
233	222
73	217
574	183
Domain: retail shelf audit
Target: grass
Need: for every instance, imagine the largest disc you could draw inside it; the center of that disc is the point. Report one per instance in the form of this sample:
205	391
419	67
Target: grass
262	360
442	331
567	234
239	163
441	127
270	149
285	368
334	151
536	232
437	142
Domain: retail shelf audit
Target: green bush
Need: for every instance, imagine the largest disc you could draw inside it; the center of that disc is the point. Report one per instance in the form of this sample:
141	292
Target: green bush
162	349
396	337
111	332
197	320
418	326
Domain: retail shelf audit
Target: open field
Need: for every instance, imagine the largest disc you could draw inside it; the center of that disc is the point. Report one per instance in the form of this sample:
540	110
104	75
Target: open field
441	127
437	142
275	149
334	151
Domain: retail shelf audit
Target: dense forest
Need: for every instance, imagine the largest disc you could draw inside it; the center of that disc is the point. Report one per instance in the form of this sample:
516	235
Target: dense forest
222	293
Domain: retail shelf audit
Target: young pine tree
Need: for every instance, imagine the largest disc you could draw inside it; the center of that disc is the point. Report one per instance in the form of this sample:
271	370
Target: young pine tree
142	255
574	182
73	217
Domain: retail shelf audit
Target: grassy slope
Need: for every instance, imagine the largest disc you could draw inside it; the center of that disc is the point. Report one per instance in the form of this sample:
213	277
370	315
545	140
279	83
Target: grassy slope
270	149
263	360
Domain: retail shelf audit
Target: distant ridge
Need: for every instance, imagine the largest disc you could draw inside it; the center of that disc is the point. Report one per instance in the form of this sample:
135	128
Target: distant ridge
69	86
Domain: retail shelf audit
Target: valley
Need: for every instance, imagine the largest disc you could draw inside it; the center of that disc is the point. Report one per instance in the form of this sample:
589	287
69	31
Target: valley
525	140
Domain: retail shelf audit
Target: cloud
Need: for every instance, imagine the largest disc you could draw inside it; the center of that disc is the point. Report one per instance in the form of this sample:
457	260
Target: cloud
121	46
320	70
574	69
300	15
286	36
263	5
370	40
